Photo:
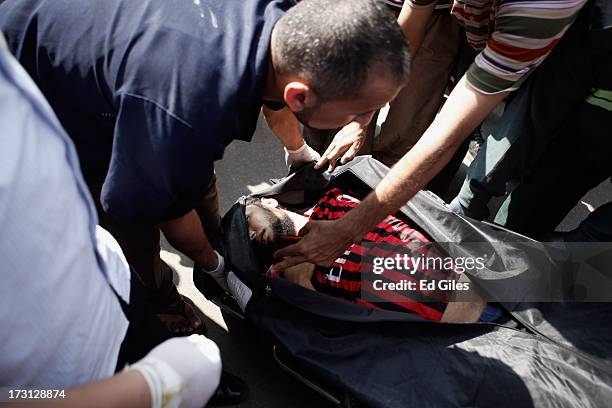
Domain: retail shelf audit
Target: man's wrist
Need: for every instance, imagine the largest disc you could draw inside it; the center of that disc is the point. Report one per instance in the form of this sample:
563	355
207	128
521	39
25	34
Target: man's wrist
292	146
208	261
360	220
349	228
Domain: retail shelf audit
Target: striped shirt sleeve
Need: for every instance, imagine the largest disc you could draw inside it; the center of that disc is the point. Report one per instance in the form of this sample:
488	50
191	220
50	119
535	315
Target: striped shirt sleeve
421	3
441	5
525	33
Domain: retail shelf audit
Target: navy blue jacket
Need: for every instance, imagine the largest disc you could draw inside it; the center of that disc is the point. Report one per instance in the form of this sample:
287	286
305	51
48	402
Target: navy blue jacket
151	91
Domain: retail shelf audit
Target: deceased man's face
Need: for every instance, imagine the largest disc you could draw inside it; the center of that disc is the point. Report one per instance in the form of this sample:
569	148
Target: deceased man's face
267	222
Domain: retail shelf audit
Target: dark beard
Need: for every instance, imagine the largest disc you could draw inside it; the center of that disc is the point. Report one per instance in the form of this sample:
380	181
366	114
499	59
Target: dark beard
280	226
304	117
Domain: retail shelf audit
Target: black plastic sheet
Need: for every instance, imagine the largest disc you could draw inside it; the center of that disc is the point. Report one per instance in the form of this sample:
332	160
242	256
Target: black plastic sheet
561	357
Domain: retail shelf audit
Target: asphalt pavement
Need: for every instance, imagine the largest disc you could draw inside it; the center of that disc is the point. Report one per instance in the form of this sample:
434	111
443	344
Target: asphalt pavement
245	168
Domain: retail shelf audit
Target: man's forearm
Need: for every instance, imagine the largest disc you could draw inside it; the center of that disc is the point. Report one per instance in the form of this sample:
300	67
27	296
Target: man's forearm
127	389
187	235
285	126
413	22
465	109
404	180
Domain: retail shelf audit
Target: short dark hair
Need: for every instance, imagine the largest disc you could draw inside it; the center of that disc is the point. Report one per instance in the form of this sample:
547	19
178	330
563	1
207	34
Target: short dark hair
249	200
258	201
336	44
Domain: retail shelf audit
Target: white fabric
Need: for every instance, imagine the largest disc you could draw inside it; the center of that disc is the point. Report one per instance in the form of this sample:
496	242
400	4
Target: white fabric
181	372
61	322
241	292
219	273
115	263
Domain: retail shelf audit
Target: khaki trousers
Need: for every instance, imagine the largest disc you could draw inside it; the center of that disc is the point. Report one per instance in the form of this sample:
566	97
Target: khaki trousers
416	106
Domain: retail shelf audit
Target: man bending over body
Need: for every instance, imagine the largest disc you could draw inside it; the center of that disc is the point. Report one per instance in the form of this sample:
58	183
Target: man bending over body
269	222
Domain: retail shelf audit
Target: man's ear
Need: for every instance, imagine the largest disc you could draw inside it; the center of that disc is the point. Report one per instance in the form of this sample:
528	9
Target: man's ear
270	202
299	96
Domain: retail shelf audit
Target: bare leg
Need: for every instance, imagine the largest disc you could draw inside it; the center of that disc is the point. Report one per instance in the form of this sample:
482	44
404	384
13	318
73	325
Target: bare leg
468	311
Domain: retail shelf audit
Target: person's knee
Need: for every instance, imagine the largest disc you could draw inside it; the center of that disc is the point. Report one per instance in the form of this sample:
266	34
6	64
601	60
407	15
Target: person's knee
211	369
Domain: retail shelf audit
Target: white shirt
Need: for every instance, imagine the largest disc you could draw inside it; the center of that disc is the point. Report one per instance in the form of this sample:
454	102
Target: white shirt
60	322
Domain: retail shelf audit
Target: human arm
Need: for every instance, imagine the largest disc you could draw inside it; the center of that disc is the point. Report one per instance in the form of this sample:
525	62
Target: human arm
346	143
488	81
301	275
181	370
187	235
160	169
467	306
324	240
287	128
126	389
285	125
413	21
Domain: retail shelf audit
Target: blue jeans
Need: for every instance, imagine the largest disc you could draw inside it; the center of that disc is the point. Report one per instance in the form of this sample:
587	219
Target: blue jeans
491	313
534	118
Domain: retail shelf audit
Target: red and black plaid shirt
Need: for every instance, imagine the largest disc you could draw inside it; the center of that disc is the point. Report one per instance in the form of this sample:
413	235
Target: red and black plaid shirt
391	236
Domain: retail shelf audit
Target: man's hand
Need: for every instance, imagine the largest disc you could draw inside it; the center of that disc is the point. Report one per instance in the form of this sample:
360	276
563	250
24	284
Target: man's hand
305	154
346	143
323	243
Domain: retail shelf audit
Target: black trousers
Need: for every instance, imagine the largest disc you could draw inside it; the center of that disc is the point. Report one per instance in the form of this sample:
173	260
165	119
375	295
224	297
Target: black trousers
145	330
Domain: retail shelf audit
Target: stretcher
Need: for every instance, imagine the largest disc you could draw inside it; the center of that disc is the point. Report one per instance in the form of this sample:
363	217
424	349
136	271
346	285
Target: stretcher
556	353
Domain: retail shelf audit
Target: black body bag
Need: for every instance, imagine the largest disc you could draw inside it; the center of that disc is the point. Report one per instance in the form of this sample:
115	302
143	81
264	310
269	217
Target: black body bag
547	354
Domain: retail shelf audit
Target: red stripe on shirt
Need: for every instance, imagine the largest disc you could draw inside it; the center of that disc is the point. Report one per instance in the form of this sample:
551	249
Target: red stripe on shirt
517	53
396	232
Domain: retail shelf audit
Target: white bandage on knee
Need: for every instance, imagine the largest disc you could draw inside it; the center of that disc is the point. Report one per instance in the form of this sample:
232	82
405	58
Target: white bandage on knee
181	372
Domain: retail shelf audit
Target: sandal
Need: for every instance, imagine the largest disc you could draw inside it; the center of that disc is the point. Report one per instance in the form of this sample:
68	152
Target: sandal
174	310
